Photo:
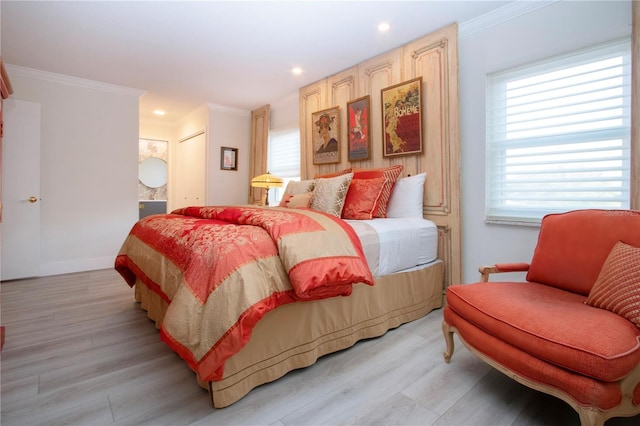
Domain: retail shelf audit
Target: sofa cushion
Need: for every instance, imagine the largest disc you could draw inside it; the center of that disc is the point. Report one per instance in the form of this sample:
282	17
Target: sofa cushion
551	324
573	246
617	288
586	390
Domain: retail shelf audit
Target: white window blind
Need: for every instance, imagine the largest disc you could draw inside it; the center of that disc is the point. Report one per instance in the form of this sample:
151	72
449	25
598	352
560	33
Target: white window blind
558	135
283	159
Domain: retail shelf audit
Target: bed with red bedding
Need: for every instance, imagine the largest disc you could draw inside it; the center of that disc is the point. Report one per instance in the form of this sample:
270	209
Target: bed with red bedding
246	294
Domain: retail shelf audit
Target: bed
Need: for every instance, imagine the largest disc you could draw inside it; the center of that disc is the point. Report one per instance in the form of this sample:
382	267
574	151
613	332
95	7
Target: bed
387	274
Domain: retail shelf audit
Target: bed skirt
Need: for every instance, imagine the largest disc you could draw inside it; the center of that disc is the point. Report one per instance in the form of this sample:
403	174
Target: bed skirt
295	335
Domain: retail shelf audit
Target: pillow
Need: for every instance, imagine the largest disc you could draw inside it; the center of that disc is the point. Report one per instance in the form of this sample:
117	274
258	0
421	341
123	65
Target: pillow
391	174
362	198
407	197
334	174
296	201
330	193
617	288
297	188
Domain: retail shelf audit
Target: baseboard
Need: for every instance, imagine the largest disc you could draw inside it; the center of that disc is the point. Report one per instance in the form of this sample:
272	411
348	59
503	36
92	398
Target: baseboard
79	265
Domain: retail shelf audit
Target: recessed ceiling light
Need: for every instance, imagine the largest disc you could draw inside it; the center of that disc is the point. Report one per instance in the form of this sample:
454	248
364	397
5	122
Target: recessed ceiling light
383	27
296	70
159	112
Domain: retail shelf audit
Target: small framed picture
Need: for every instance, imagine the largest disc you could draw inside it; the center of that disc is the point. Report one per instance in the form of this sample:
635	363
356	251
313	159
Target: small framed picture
358	128
402	118
228	158
326	134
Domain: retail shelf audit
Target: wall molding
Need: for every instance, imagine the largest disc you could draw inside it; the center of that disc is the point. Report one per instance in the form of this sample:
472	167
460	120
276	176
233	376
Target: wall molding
228	109
74	81
498	16
76	265
291	98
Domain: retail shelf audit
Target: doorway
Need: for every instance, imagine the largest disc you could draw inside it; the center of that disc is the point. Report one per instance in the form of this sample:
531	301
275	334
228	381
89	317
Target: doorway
152	177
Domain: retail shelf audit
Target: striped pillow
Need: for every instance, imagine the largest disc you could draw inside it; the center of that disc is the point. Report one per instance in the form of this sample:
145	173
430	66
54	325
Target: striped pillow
362	197
617	288
391	175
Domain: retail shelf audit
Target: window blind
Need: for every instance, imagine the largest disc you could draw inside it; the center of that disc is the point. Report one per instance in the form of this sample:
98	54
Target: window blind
283	159
558	135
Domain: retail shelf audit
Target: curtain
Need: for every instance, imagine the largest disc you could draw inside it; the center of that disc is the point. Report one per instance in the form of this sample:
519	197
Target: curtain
258	151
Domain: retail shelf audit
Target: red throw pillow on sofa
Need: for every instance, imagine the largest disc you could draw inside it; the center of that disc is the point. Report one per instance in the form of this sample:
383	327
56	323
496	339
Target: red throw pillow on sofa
617	288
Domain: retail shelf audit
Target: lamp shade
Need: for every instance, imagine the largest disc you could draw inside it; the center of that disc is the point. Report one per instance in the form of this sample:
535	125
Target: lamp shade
266	180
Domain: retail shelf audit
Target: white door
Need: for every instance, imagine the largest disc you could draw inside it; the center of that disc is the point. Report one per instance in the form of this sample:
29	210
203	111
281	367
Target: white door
20	190
190	171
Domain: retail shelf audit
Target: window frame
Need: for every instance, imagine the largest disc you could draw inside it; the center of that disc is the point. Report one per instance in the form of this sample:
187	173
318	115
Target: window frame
292	137
496	146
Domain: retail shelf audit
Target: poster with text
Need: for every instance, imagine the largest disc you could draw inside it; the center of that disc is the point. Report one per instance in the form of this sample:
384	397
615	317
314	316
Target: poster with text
402	118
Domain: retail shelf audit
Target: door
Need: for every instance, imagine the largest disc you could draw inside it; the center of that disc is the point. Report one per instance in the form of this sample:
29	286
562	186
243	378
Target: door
191	173
20	237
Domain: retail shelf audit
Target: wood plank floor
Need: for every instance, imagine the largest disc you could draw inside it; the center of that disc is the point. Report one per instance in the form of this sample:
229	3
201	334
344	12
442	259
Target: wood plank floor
80	351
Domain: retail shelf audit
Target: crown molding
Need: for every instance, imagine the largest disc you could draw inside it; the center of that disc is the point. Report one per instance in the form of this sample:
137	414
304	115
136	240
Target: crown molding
227	109
289	99
500	15
73	81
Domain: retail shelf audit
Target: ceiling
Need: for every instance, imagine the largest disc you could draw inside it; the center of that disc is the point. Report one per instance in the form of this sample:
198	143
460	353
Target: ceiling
237	54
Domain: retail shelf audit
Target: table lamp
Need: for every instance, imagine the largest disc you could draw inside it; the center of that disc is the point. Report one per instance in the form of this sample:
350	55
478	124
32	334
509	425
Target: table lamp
266	181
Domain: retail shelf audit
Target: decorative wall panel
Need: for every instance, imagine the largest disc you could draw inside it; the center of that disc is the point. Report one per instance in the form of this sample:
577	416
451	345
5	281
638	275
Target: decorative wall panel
312	99
258	160
433	57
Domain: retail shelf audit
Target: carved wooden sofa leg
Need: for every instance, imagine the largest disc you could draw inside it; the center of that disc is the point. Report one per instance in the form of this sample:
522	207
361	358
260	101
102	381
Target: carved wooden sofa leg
590	417
447	330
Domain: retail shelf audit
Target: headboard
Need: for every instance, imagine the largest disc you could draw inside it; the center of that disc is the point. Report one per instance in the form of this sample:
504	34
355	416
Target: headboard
434	58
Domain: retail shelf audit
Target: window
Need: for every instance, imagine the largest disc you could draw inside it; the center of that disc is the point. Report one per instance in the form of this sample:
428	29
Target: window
558	135
283	159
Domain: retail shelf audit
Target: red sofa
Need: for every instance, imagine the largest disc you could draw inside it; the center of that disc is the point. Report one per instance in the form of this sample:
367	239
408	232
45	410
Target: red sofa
572	329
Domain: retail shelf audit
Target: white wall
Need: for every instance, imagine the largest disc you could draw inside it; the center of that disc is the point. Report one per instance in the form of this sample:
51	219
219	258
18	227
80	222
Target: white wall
191	124
284	114
557	28
89	168
230	128
159	132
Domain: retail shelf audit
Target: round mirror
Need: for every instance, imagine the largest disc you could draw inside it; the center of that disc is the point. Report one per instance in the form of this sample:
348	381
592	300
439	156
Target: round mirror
153	172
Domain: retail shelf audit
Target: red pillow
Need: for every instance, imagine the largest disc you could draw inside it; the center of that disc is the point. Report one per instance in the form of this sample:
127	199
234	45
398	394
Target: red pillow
362	198
391	175
617	288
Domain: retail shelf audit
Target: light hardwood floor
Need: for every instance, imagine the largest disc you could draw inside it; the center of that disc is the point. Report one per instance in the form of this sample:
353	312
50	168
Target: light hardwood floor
80	351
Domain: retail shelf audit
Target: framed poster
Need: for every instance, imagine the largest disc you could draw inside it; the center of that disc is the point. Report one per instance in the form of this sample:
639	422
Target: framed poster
358	125
326	134
228	158
402	118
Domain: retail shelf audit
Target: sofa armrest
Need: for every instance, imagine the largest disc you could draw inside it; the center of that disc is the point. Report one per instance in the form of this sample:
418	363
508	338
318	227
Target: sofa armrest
485	271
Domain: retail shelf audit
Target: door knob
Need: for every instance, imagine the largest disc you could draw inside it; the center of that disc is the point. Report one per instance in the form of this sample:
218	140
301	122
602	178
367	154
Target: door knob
32	199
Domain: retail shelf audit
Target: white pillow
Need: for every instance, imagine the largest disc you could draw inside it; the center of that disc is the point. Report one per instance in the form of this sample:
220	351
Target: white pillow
407	197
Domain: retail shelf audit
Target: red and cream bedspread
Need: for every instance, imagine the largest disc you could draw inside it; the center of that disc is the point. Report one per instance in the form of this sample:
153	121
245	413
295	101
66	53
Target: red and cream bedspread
221	269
